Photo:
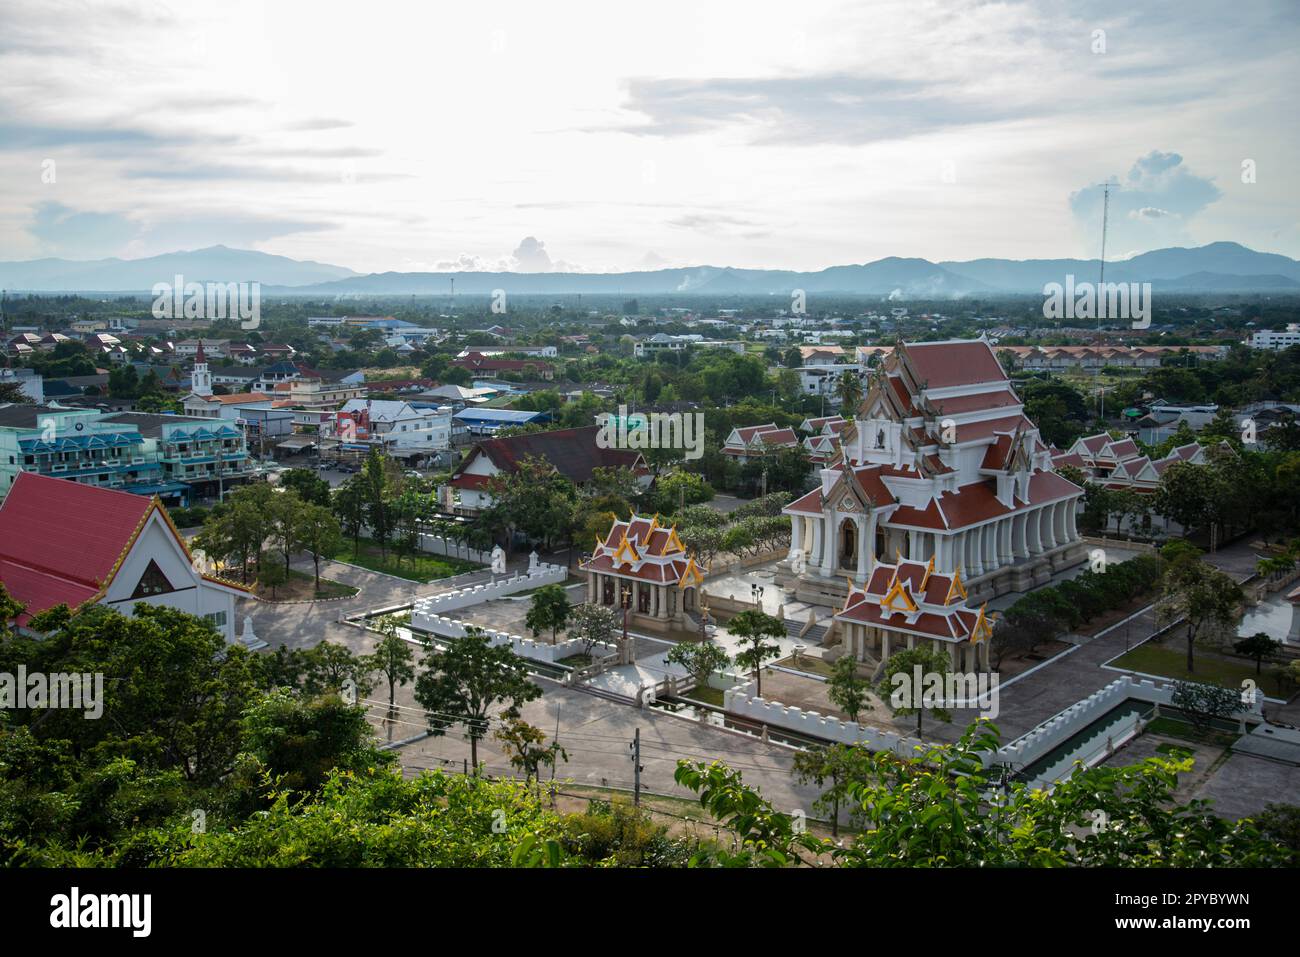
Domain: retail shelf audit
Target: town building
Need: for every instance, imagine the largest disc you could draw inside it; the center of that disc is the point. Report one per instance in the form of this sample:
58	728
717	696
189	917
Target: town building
939	462
755	441
1276	341
574	453
62	543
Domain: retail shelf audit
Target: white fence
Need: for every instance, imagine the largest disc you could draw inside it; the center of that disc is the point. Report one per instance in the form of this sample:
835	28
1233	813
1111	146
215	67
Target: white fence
739	701
531	648
1022	752
441	545
434	605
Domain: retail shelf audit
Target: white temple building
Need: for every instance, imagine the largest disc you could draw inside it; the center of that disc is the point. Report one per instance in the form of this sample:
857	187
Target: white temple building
939	462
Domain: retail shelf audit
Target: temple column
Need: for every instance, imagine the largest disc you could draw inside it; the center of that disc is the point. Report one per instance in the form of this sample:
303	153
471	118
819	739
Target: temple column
591	588
864	549
1062	522
1005	555
976	536
990	547
796	536
884	645
1073	512
1033	538
829	535
1019	539
1049	534
654	602
915	551
819	532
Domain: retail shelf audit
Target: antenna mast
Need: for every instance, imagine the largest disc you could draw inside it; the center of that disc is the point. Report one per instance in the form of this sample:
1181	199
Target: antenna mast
1101	282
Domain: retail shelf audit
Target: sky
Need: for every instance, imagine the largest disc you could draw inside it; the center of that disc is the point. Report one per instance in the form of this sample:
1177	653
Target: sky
603	136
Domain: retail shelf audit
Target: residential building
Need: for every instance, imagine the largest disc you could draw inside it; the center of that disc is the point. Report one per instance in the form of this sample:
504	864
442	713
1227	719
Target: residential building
756	441
574	453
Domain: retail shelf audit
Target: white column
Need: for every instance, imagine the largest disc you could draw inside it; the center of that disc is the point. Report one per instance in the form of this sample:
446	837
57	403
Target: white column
1005	555
1033	538
1062	522
829	535
796	536
1049	540
977	551
1019	536
864	548
815	554
1073	511
990	547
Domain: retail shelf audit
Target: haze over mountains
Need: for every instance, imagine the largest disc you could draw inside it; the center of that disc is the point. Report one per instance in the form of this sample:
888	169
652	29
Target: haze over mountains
1217	267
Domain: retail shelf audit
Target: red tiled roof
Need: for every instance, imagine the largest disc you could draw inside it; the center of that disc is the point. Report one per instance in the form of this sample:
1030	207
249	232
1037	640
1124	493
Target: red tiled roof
572	452
61	541
958	404
939	365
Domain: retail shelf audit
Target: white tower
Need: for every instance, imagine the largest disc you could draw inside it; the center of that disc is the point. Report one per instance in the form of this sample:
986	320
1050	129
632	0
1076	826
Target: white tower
200	378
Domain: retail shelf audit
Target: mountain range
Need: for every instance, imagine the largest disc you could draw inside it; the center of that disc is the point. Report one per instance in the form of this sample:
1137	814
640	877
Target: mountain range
1217	267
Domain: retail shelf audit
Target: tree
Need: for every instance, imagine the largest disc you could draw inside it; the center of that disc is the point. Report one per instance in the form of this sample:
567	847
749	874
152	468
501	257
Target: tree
848	389
319	534
462	681
332	667
934	809
309	486
1199	594
349	505
534	500
549	609
376	486
675	490
1259	646
299	743
392	658
1204	704
899	687
593	625
271	576
838	764
10	608
700	659
846	689
526	749
751	628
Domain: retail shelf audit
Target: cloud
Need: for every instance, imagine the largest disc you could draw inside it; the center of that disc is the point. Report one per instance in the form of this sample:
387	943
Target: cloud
1150	206
72	234
531	256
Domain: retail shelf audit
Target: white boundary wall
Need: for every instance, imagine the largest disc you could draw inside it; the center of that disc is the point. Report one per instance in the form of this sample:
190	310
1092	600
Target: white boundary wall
531	648
543	574
1021	752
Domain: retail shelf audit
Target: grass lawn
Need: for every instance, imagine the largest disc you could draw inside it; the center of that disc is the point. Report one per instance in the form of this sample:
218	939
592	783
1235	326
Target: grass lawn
1170	661
417	568
575	661
814	666
705	695
1172	727
299	588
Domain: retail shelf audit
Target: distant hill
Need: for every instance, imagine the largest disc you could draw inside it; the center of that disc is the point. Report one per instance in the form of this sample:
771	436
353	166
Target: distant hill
1218	267
214	264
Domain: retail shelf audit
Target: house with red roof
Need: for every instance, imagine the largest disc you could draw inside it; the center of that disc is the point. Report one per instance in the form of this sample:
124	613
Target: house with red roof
63	543
643	566
939	462
755	441
574	453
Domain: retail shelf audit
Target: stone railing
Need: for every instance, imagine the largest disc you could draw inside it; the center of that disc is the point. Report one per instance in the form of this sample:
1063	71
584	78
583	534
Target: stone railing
434	605
532	648
740	701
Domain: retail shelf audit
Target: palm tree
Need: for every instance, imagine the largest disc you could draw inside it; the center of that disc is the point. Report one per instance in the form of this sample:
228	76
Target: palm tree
849	390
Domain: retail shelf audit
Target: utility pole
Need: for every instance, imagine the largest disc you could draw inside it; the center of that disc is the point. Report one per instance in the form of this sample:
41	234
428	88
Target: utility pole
635	748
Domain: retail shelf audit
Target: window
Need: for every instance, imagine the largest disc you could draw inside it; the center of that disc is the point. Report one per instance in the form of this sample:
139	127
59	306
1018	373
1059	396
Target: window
218	619
152	582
